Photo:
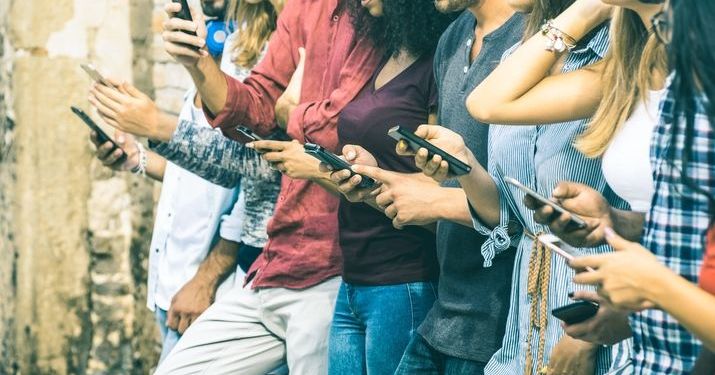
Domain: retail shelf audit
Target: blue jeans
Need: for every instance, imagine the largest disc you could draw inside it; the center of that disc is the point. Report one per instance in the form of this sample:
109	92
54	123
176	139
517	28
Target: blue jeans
169	337
372	326
422	359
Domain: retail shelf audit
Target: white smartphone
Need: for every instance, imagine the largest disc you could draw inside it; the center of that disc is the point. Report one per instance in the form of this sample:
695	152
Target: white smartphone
560	247
95	75
576	221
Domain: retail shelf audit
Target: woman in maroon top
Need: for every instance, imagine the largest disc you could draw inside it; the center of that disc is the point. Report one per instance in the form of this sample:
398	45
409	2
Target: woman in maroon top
389	275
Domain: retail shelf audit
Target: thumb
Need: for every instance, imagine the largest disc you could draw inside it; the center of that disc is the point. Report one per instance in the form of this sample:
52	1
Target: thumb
373	172
617	242
351	152
131	90
120	137
566	190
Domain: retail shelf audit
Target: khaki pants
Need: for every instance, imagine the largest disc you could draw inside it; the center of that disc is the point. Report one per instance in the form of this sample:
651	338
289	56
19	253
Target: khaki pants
251	332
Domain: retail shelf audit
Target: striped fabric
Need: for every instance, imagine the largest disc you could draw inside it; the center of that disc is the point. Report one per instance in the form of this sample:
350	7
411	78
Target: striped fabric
540	157
675	231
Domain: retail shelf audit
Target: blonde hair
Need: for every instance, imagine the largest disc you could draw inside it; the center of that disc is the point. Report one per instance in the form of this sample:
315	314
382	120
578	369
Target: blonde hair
635	55
256	23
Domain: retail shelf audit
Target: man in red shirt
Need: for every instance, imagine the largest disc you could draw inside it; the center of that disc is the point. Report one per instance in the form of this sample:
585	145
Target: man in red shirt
288	308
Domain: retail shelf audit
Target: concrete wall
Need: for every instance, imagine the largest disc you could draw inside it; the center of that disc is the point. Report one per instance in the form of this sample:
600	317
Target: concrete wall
73	235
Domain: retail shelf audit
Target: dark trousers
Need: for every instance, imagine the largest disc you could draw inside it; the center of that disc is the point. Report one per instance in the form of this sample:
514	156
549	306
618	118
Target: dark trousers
247	255
422	359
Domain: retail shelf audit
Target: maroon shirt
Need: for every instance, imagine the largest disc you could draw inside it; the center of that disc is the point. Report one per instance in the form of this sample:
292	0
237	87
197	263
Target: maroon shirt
374	252
303	245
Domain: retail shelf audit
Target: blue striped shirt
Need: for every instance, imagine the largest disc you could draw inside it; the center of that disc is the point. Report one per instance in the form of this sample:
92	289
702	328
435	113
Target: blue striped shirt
675	231
540	157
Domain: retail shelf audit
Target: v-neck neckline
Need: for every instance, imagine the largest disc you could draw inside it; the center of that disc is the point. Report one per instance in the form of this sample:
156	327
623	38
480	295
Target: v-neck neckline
376	90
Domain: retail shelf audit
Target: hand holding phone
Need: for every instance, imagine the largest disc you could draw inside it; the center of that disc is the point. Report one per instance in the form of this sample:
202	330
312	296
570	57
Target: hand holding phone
102	137
95	75
456	166
185	14
576	222
336	163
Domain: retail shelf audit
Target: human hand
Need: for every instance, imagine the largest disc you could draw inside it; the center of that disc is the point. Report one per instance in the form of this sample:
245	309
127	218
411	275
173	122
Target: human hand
447	140
627	278
348	182
289	158
189	302
580	200
129	110
291	96
186	49
572	357
609	326
110	156
405	198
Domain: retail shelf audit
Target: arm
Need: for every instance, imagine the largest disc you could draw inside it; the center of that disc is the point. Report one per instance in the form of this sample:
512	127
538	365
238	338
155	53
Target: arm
521	91
155	167
199	293
212	156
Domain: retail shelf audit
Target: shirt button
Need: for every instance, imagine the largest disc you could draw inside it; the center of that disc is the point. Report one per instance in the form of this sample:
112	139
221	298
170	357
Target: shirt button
156	250
466	69
469	42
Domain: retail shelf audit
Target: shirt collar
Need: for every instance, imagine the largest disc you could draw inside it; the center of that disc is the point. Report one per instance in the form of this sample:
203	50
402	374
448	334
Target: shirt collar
598	42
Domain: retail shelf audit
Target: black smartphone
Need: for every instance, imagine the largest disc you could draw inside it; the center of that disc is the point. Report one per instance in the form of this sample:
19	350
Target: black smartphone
102	137
456	167
576	312
334	161
576	222
184	13
248	134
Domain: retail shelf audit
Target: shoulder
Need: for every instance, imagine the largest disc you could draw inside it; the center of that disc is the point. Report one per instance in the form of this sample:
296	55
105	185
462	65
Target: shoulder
457	31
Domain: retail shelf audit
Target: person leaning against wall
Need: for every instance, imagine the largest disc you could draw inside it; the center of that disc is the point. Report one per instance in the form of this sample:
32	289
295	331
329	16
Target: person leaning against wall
197	229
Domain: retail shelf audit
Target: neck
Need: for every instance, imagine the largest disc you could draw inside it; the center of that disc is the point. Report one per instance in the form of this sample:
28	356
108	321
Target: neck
491	14
646	12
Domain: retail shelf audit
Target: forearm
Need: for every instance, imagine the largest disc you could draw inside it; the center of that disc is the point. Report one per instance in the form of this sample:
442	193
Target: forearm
482	193
628	224
693	307
219	263
155	166
210	83
452	205
166	126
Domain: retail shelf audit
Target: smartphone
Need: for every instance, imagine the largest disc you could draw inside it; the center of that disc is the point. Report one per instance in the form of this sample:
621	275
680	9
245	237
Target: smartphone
456	167
101	135
184	13
95	75
334	161
576	222
248	134
576	312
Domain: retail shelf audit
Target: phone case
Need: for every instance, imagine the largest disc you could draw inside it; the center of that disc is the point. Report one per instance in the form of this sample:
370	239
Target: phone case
185	13
334	161
456	166
576	312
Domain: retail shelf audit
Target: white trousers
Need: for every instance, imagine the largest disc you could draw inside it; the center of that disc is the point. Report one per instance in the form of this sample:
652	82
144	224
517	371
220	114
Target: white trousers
251	332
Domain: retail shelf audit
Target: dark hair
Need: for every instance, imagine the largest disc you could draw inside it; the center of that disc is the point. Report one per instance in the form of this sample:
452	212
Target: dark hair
411	25
691	54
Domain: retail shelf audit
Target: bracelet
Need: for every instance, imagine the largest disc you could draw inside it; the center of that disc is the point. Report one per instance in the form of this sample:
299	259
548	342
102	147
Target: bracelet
558	41
140	169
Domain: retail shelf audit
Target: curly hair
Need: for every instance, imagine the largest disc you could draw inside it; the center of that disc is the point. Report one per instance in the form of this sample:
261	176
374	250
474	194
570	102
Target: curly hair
414	26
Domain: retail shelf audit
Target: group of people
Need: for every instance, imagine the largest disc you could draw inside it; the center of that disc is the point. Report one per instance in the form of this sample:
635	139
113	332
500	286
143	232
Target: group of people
265	260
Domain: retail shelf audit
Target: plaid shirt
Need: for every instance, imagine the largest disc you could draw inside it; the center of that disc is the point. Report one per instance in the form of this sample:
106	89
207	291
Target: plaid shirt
675	231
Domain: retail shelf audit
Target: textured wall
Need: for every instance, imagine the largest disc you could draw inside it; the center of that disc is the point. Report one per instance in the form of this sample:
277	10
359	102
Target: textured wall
74	236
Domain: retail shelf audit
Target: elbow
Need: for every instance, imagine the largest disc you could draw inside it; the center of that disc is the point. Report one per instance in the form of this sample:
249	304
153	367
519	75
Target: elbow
479	108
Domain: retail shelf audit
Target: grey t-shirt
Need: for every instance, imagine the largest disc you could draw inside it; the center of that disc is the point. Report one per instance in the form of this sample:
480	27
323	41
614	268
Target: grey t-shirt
468	319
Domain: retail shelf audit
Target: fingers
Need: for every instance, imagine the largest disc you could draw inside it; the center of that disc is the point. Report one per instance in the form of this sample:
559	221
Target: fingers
351	152
340	176
175	25
617	242
113	158
350	185
274	157
172	8
172	319
592	261
432	165
94	138
588	278
132	91
102	109
566	190
391	211
384	200
111	93
586	295
373	172
404	149
104	150
268	146
184	322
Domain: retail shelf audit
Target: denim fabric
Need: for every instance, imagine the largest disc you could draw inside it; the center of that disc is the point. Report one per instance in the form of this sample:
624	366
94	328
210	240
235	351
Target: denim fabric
422	359
169	337
372	326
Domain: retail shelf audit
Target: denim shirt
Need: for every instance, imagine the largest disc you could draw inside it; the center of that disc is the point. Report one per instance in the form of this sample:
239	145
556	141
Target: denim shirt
540	157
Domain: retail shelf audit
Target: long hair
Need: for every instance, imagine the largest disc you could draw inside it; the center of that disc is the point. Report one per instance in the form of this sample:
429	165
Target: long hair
414	26
542	11
692	57
256	23
634	56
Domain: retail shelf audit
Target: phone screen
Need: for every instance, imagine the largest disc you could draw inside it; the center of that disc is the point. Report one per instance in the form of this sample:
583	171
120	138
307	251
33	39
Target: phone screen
95	75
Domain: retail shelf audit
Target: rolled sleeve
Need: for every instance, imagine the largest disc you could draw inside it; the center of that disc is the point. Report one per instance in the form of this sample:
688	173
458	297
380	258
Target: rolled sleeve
498	238
232	223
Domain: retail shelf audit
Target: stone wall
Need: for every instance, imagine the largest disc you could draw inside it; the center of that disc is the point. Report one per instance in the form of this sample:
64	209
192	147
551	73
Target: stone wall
73	235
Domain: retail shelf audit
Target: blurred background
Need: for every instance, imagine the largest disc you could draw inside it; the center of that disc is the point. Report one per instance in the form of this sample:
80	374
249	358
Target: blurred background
73	235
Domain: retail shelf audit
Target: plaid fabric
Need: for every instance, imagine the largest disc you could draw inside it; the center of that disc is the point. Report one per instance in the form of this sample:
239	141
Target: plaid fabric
675	231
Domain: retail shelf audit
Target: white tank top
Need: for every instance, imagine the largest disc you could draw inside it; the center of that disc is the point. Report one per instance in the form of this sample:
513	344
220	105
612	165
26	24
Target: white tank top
626	162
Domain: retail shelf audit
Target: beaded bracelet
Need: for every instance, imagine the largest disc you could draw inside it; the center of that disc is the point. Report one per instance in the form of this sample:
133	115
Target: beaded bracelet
558	41
140	169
